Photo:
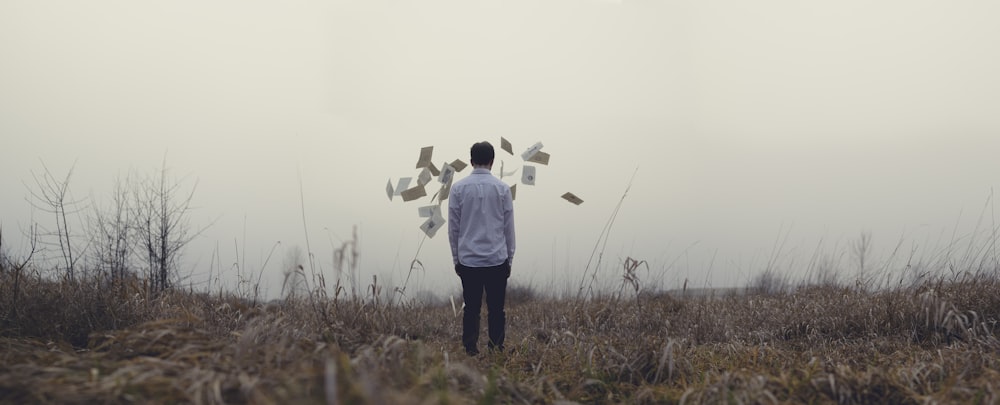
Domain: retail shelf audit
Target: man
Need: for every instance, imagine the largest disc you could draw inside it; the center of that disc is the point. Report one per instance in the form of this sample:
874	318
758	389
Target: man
481	233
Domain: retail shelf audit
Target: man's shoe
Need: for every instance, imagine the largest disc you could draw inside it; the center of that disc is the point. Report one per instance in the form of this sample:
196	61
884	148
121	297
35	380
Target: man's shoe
472	351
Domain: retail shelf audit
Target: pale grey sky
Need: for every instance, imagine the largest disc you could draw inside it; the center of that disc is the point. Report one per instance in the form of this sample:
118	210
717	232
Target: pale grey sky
746	120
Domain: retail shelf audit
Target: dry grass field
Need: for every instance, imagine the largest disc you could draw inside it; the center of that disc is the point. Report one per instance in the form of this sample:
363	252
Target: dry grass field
933	342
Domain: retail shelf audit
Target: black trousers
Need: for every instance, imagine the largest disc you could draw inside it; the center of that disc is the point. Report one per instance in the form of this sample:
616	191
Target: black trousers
475	281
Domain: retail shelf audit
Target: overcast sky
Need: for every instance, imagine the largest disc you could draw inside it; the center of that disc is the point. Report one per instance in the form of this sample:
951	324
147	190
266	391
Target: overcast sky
745	123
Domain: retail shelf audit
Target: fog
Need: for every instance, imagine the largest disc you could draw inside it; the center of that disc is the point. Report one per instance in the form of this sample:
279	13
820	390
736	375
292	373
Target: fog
760	135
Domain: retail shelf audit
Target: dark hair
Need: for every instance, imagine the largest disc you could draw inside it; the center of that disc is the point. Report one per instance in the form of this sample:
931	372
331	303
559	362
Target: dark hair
481	153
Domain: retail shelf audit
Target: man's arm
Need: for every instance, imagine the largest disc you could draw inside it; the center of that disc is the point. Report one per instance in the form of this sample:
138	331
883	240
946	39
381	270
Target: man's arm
454	221
508	224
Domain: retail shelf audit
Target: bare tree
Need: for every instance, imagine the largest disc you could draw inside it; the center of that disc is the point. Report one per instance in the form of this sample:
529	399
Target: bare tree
862	249
113	230
161	213
16	269
52	195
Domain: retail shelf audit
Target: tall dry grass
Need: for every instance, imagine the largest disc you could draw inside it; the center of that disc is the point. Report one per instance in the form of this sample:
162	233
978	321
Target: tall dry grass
83	342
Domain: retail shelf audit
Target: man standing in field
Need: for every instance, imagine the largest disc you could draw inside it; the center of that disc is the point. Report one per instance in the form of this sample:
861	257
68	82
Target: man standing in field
481	233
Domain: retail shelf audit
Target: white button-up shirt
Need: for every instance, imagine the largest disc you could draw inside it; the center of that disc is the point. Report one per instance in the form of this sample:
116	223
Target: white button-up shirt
481	220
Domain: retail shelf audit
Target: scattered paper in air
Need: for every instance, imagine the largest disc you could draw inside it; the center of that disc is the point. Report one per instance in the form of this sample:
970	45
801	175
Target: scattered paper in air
388	189
425	177
540	157
425	156
531	151
404	182
447	173
434	170
513	192
445	190
428	211
505	145
528	175
413	193
506	173
458	165
572	198
432	225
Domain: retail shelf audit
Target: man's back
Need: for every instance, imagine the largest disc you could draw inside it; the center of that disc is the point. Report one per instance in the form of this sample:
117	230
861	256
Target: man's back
481	220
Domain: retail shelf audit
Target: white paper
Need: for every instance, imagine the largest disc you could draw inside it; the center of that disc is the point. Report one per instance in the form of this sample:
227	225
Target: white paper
388	190
513	192
428	211
458	165
425	177
505	145
425	156
528	175
506	173
447	173
402	185
540	157
445	191
432	225
413	193
528	154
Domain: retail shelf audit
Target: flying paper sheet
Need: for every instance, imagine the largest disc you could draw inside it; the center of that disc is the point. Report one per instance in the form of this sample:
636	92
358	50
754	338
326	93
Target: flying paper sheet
425	156
432	225
445	190
388	189
513	192
428	211
505	145
404	182
434	170
540	157
413	193
531	151
572	198
528	175
425	177
505	173
458	165
447	173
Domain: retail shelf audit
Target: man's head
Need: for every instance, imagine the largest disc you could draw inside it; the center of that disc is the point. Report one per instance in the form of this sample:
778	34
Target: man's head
482	154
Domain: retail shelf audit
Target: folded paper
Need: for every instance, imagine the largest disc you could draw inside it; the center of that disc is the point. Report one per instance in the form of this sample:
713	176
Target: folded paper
428	211
531	151
413	193
528	175
572	198
540	158
447	173
404	182
505	145
504	173
432	225
425	156
425	176
445	191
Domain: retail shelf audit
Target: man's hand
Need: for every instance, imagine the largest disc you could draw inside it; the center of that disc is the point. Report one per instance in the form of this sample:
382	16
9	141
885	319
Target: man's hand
509	261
